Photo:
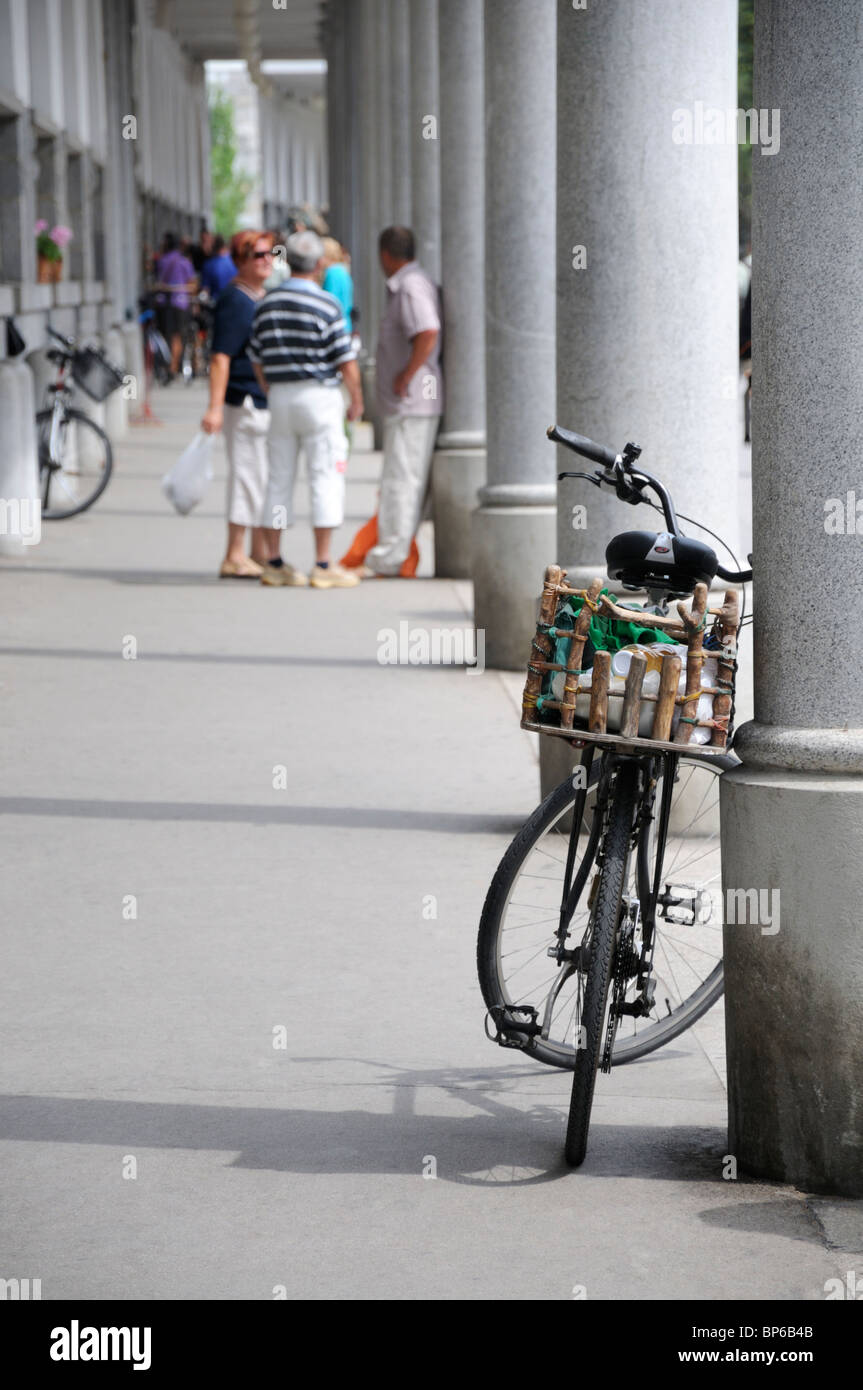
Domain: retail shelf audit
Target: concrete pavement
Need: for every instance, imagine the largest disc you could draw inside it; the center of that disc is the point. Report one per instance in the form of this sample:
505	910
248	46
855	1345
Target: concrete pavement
231	1040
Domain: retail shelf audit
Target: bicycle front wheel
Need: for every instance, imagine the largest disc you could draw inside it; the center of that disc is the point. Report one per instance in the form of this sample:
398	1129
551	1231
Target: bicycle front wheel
522	911
75	470
597	955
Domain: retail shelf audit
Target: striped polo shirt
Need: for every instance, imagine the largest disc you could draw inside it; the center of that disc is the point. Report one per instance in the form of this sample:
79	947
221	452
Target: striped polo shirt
299	334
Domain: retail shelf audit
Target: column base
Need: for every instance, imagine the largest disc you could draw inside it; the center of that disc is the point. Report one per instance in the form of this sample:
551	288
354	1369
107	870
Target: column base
116	406
511	547
20	525
794	995
457	476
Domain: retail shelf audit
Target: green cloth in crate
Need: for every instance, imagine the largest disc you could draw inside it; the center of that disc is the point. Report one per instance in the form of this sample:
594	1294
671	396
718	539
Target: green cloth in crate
603	635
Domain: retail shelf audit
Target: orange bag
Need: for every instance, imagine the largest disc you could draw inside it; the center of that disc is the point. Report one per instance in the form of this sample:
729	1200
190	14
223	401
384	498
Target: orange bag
366	537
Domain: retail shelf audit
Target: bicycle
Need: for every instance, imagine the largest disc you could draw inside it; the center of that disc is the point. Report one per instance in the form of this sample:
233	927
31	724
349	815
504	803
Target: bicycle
197	341
74	453
583	977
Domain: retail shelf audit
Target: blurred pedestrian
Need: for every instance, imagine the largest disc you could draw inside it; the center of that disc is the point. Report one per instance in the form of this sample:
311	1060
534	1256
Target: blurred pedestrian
301	350
175	281
337	278
410	396
238	405
219	270
281	270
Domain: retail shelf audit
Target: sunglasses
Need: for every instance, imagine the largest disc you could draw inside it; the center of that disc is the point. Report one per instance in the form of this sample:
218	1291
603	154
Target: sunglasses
259	255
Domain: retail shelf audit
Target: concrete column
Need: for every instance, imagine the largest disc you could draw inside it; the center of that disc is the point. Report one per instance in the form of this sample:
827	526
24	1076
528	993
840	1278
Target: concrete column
336	113
46	59
122	232
17	200
646	271
313	162
792	815
647	262
400	109
383	67
19	473
349	233
424	125
513	534
368	275
459	467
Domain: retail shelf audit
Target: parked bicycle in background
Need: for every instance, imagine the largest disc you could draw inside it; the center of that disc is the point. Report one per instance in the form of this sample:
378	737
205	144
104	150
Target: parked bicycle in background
74	453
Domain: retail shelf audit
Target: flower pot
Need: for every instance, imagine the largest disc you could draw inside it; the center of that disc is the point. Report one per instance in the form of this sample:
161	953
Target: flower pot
49	272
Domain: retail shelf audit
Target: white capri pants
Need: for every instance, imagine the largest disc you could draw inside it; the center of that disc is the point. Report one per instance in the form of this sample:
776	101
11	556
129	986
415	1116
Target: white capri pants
309	416
245	429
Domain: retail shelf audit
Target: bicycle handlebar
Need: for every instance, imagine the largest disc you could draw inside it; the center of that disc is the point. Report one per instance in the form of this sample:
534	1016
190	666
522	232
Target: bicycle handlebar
61	337
580	444
628	482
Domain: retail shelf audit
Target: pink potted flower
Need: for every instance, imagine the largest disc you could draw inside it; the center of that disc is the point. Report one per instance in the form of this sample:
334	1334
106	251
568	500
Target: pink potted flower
49	248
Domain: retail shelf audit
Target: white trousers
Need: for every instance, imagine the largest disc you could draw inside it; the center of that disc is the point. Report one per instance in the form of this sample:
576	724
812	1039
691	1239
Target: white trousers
408	447
307	416
245	429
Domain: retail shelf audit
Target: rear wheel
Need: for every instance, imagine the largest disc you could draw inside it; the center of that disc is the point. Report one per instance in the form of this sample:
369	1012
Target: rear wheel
77	470
597	954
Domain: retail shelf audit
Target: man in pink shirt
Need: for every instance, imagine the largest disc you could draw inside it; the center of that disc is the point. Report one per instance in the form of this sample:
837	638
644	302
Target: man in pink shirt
410	396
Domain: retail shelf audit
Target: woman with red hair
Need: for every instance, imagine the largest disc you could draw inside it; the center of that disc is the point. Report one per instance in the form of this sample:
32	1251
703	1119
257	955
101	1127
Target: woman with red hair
238	405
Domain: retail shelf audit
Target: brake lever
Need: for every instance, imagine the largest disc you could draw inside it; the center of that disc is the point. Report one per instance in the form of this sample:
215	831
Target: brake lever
588	477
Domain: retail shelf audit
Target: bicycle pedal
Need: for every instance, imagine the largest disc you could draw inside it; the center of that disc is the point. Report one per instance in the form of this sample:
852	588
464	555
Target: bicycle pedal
515	1025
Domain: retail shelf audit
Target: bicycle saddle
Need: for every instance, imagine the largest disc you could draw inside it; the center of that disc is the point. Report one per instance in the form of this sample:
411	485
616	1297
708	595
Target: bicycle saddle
658	560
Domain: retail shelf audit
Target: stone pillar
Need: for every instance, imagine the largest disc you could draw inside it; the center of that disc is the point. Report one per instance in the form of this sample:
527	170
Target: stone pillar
383	70
400	108
367	270
458	470
19	472
646	271
424	122
792	815
336	114
349	232
647	262
513	535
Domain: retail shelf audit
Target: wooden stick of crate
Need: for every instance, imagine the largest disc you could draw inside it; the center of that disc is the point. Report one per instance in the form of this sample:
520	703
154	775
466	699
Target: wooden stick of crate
693	621
576	648
597	719
728	622
631	711
542	645
669	680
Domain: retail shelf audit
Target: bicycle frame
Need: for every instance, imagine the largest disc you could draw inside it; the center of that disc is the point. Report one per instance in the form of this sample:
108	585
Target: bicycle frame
648	891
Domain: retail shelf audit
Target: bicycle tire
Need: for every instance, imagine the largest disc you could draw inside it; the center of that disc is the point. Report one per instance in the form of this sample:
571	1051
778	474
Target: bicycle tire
606	916
43	418
505	877
504	885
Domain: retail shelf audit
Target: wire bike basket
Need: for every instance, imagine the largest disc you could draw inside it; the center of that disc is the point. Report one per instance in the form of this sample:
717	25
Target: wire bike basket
92	371
593	698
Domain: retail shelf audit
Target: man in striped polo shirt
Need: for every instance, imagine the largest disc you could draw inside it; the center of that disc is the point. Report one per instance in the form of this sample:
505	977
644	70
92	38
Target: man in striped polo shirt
301	350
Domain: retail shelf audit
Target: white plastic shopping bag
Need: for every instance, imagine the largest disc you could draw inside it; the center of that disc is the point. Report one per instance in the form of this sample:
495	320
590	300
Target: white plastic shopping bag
187	481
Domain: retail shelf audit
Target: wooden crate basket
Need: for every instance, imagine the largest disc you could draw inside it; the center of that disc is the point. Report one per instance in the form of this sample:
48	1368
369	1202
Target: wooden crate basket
687	628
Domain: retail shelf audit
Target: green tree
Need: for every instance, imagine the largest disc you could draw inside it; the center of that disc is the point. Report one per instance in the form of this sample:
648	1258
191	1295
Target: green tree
230	188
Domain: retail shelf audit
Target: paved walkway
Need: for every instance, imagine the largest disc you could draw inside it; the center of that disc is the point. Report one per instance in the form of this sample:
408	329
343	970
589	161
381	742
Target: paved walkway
145	1043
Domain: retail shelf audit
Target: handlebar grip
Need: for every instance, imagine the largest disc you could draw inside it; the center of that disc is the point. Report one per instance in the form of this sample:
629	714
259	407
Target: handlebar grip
580	444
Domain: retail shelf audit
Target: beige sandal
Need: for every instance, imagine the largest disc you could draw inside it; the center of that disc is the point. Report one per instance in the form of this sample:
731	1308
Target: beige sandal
240	569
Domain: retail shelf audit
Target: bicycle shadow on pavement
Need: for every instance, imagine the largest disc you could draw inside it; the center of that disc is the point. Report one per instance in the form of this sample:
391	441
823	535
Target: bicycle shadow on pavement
491	1142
